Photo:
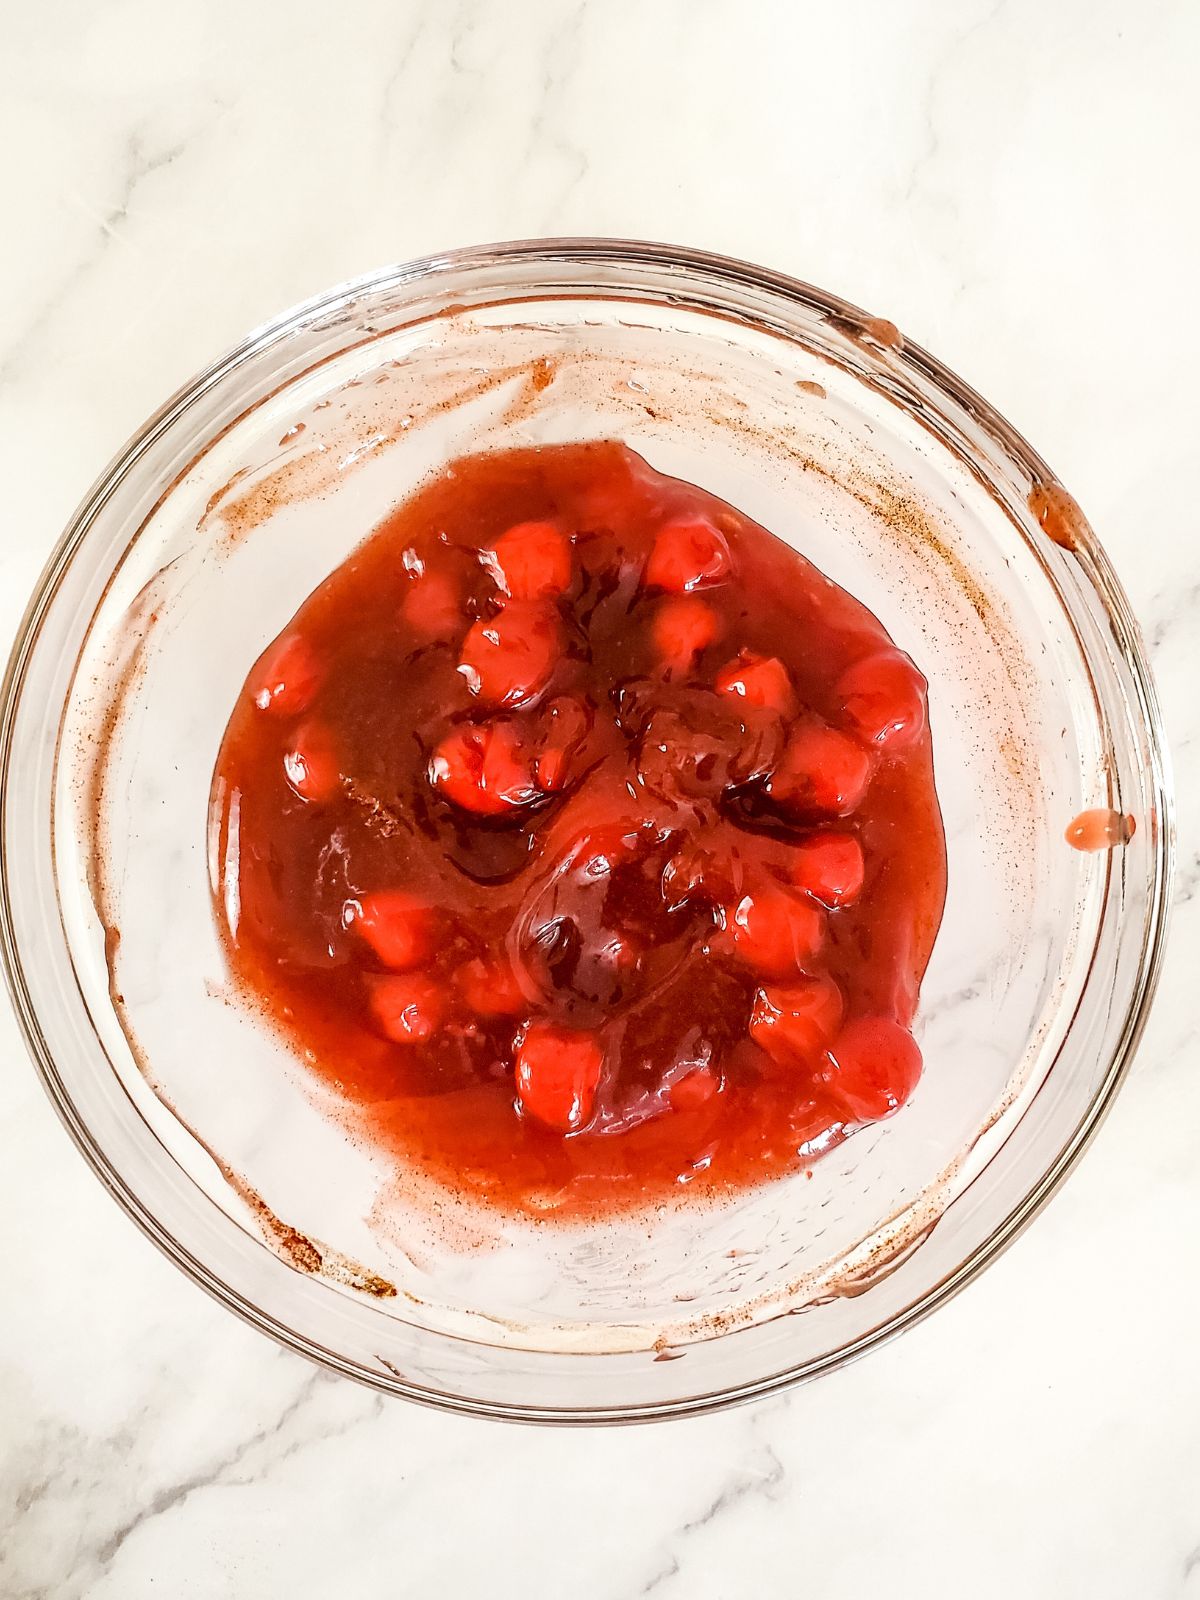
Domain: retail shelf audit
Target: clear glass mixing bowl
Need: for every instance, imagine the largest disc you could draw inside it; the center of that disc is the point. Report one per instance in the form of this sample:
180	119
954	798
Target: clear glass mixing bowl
259	477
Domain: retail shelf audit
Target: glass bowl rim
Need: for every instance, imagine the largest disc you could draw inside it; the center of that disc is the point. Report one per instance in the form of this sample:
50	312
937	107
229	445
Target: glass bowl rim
728	272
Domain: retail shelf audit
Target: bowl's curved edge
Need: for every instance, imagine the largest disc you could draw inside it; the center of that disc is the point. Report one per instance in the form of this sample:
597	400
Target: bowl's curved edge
728	270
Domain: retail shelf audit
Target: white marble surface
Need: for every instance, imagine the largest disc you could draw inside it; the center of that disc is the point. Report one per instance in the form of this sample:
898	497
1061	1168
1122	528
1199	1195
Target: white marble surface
1013	183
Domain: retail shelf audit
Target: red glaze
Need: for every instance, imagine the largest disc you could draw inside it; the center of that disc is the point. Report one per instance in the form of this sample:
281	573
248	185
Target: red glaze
1102	829
597	878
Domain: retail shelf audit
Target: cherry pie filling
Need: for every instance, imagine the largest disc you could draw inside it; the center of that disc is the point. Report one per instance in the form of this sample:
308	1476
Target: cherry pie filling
584	836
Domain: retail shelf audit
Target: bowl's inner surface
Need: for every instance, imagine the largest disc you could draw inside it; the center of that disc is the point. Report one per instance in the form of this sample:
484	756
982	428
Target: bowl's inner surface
197	547
864	492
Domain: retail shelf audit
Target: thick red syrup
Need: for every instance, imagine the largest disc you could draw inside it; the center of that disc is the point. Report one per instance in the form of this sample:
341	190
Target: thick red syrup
585	836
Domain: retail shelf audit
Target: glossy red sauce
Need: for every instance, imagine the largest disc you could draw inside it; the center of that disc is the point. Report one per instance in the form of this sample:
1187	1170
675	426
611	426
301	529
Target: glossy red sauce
585	835
1101	829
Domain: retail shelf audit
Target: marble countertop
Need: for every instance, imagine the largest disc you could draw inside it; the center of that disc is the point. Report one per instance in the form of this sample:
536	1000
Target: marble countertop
1009	181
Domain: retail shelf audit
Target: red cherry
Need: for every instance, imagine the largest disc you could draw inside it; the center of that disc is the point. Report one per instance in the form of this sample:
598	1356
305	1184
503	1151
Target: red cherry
558	1070
551	769
875	1067
688	553
566	724
820	770
694	1091
794	1023
699	744
603	848
829	866
507	658
760	681
432	606
398	927
531	561
598	827
489	986
774	931
613	493
286	677
406	1008
677	756
699	871
486	770
683	626
311	765
884	699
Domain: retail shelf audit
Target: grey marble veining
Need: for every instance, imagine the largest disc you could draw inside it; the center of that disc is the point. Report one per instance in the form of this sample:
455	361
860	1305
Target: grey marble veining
1008	182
